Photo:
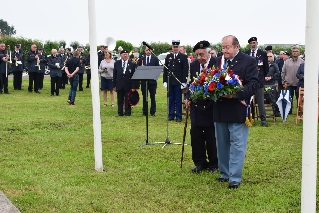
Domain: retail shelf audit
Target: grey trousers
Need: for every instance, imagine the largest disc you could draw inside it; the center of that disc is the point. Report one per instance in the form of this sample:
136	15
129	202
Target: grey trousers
259	97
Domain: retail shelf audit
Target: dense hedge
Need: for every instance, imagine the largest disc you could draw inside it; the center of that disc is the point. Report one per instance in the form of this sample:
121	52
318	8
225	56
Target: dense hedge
158	47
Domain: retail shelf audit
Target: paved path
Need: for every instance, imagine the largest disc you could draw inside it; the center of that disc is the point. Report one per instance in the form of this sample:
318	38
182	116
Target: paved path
6	206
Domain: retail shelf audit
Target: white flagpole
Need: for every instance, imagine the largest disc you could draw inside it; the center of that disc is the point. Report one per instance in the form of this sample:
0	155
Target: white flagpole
95	88
310	115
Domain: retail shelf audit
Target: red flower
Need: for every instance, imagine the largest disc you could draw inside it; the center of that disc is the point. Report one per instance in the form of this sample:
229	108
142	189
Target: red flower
202	79
222	79
230	73
212	86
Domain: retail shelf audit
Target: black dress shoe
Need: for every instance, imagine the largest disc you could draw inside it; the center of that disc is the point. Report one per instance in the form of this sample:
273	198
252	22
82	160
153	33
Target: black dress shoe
152	114
178	120
37	92
6	92
222	180
171	119
233	185
199	169
264	124
213	170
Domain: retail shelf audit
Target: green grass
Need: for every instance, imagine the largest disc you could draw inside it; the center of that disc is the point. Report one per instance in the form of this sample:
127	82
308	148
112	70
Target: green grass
47	161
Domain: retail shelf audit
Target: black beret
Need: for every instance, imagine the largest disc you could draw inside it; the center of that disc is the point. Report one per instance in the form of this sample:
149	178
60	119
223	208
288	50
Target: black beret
133	97
286	53
252	39
17	45
176	42
68	48
40	48
201	45
124	51
268	47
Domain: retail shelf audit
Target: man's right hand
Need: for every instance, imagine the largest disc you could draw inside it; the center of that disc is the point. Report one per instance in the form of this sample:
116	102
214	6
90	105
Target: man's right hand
165	84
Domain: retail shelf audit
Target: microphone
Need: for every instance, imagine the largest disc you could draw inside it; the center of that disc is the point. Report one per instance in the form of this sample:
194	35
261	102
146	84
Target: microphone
146	44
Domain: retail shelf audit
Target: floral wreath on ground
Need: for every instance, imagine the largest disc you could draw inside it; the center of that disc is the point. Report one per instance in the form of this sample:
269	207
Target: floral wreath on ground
214	83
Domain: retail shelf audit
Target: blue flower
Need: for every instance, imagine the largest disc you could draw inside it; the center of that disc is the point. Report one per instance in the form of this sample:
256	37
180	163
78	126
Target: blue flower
219	85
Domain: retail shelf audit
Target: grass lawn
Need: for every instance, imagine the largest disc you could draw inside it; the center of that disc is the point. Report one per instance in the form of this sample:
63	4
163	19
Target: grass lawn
47	161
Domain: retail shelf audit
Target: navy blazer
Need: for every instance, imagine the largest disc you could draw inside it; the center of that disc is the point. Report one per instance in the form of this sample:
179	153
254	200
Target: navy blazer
263	66
153	62
231	110
178	66
122	80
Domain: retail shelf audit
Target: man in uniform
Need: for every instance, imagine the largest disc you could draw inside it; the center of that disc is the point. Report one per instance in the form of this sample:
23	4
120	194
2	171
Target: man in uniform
149	60
202	131
82	67
175	78
100	54
64	77
43	61
4	67
263	68
17	67
33	69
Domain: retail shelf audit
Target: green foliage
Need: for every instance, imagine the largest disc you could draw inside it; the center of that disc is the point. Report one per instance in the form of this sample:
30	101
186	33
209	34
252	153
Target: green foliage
25	43
49	45
47	160
160	47
125	45
217	47
74	45
6	29
62	43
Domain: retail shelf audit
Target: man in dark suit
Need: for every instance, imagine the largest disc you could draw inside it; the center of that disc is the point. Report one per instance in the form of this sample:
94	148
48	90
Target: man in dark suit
263	68
149	60
202	131
17	67
122	74
177	64
229	112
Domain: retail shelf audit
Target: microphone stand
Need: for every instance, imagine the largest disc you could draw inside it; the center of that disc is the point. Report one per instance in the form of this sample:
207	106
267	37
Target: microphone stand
169	73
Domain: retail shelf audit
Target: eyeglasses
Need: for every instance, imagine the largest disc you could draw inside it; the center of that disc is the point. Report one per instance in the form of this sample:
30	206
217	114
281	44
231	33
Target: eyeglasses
175	46
269	56
226	47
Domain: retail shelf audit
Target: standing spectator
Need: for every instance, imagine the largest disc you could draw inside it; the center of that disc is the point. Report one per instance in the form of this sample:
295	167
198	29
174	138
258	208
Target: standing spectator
43	62
81	72
271	80
149	60
55	65
263	67
300	76
280	62
17	67
191	57
71	68
122	74
100	54
88	70
213	53
106	70
289	71
33	69
178	65
4	67
229	114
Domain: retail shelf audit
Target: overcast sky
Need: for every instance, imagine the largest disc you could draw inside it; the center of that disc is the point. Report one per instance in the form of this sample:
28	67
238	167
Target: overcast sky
271	21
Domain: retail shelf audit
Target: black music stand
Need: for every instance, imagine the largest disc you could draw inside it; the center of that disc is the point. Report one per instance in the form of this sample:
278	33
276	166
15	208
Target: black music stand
146	73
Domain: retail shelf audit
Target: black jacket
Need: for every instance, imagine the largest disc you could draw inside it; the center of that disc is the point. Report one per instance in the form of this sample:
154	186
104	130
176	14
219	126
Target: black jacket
122	79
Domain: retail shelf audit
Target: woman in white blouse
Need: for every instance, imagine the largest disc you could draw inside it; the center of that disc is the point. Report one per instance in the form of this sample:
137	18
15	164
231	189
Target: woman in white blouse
106	71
